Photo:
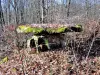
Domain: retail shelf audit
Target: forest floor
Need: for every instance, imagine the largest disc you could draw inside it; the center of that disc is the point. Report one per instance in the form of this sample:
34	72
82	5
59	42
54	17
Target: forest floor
48	63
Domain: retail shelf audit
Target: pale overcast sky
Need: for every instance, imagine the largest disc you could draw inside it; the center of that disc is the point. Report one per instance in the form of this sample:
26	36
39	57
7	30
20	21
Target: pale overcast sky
59	1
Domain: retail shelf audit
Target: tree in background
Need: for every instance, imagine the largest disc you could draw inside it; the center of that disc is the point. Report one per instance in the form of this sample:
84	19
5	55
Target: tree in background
1	16
68	7
47	11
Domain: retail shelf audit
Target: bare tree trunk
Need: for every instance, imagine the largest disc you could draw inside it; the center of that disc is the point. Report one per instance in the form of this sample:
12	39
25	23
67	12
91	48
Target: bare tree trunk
68	7
42	10
15	6
9	12
51	11
1	16
22	11
62	9
38	7
46	11
87	8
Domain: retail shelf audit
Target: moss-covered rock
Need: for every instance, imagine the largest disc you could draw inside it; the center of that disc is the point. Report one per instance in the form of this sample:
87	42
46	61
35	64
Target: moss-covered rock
78	26
60	30
24	29
37	30
56	30
40	30
29	29
50	30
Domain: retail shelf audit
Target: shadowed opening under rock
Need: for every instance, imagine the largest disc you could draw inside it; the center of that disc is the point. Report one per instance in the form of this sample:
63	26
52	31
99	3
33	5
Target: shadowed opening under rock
32	43
41	41
41	44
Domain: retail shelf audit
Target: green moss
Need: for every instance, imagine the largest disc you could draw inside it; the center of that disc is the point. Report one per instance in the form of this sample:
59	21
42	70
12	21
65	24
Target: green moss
47	43
24	29
60	30
56	30
50	30
78	26
37	30
28	29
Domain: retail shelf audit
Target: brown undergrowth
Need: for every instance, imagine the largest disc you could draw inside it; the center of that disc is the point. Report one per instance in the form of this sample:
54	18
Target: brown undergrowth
84	45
